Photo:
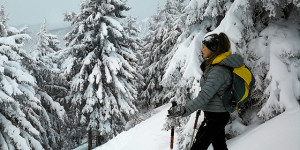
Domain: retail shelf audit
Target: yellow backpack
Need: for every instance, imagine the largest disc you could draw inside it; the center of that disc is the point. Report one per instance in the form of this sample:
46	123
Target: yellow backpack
240	89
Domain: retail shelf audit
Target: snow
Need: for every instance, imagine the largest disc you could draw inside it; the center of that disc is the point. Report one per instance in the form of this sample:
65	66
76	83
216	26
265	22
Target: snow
280	39
114	23
279	133
54	105
147	135
13	132
11	40
276	45
187	56
5	97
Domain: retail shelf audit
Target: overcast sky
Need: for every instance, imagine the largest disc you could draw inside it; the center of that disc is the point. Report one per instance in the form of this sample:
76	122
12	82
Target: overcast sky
31	12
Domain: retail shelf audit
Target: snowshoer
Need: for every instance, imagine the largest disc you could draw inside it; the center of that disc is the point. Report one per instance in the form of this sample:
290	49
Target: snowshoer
216	79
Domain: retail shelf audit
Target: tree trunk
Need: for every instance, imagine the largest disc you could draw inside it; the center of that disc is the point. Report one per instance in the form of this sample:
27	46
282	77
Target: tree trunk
90	139
98	139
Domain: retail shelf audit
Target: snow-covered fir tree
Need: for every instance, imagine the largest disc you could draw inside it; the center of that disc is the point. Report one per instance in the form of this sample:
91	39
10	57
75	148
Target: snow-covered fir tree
47	43
165	28
208	13
3	20
52	85
279	78
52	89
69	16
132	31
25	122
135	44
99	64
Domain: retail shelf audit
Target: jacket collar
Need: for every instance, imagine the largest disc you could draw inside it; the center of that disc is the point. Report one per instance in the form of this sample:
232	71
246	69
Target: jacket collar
221	57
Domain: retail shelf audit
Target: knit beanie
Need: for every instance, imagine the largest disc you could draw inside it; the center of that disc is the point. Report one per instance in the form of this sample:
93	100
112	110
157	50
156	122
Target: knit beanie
211	42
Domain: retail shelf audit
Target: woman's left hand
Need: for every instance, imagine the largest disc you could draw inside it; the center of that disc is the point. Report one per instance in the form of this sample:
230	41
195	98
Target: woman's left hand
176	110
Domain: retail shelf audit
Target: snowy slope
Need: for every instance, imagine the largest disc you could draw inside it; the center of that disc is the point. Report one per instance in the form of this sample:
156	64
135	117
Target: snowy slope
147	135
279	133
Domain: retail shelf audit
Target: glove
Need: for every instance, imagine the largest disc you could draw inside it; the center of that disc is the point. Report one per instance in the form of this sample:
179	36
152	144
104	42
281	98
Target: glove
176	110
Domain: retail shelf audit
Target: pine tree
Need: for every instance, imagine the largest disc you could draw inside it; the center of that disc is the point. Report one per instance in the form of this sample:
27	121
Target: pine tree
158	50
47	42
69	16
24	121
3	20
99	65
135	44
274	98
52	88
208	13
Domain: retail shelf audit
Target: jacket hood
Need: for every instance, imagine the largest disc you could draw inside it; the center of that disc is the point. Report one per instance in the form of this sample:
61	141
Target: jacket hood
230	60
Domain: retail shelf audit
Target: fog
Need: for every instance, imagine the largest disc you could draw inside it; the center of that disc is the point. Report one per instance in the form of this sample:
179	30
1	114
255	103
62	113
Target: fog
32	12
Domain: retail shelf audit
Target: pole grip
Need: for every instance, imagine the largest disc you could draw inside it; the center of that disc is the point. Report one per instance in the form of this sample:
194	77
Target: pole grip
172	137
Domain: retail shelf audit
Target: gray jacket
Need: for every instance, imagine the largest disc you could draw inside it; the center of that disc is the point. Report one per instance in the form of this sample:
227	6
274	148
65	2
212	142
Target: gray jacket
214	82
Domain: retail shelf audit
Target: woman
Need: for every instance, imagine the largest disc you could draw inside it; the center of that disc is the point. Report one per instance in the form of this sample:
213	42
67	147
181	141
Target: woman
216	79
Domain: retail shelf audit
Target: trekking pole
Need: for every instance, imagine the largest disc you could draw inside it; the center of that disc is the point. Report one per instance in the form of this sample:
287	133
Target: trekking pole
172	128
195	126
172	137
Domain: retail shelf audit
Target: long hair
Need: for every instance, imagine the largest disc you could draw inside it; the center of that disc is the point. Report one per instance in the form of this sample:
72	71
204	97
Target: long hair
223	46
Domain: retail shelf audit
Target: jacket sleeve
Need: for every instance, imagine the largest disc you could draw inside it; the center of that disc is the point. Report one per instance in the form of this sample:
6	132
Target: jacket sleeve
214	81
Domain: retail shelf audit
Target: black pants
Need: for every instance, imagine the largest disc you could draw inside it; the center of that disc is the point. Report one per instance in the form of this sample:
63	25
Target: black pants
212	131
